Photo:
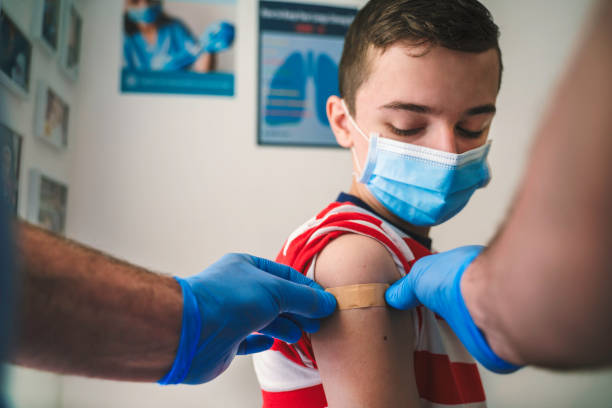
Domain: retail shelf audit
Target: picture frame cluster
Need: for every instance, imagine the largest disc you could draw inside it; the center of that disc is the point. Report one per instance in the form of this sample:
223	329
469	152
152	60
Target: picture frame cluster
56	30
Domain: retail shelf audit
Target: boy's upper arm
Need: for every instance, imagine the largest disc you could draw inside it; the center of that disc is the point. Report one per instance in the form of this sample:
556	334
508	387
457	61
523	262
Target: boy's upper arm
365	356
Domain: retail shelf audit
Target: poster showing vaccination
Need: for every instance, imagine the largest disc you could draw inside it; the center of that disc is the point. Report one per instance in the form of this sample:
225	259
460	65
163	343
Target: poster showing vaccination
179	47
300	46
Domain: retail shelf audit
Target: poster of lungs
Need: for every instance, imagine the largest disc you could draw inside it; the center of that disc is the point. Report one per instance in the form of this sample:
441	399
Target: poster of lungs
178	46
300	46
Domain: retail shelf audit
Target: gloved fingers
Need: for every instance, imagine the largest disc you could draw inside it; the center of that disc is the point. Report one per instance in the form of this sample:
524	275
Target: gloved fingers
401	295
295	293
282	271
304	301
283	329
255	343
306	324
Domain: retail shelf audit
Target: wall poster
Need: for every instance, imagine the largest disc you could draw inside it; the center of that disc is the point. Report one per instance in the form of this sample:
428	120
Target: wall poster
178	46
300	46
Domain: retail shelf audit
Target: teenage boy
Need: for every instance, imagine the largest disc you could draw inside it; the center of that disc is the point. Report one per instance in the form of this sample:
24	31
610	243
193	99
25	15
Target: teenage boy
418	85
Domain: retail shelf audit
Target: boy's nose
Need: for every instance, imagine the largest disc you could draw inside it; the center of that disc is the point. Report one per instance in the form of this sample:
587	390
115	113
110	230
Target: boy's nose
445	140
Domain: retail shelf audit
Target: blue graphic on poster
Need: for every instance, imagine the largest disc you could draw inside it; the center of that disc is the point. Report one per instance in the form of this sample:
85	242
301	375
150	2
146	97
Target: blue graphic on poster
300	49
179	47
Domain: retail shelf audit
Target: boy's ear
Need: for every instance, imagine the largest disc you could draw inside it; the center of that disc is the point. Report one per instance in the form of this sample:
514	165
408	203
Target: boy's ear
339	121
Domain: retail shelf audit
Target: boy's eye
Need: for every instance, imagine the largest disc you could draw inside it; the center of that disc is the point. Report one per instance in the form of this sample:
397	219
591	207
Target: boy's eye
469	133
406	132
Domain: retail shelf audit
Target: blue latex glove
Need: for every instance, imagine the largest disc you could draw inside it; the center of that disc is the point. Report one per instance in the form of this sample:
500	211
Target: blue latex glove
217	37
434	281
236	296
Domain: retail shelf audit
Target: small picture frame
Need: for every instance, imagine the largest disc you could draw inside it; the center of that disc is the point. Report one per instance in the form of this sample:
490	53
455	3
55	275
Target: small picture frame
46	24
10	164
15	56
47	201
52	114
70	49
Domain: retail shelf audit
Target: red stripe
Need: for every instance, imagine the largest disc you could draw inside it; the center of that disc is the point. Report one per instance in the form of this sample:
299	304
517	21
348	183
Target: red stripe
311	397
440	381
418	250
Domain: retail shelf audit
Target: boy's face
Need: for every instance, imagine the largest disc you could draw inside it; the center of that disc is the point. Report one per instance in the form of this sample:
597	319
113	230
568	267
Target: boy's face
443	100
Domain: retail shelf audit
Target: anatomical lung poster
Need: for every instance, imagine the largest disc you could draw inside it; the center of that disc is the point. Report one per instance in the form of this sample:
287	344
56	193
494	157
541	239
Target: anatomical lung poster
300	46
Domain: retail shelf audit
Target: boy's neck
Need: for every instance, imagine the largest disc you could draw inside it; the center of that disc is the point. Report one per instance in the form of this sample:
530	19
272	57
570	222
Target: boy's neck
359	190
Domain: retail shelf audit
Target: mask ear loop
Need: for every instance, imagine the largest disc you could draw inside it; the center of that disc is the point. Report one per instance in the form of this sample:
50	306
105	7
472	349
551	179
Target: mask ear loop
350	118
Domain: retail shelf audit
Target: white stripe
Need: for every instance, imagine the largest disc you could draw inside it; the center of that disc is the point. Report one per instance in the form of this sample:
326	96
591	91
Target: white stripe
310	273
276	373
438	338
452	345
429	336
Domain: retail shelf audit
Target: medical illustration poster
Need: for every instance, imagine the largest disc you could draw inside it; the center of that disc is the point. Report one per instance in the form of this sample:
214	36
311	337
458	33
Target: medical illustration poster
15	56
10	159
52	113
47	202
179	46
300	46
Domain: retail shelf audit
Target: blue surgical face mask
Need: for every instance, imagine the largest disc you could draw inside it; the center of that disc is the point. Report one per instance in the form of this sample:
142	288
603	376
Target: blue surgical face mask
145	15
420	185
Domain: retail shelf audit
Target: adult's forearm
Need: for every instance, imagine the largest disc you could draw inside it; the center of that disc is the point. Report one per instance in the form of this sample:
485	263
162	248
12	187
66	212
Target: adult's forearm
541	292
82	312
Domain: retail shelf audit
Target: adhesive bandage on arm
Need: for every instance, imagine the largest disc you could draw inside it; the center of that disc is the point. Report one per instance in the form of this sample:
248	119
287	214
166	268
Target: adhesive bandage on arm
360	296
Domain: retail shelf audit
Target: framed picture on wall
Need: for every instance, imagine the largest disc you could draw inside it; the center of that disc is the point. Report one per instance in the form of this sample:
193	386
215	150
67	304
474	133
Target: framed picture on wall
300	46
10	163
70	44
46	24
52	113
47	200
15	56
178	47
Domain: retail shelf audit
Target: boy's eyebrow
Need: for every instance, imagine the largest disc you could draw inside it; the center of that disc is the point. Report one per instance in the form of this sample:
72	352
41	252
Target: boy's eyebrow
413	107
478	110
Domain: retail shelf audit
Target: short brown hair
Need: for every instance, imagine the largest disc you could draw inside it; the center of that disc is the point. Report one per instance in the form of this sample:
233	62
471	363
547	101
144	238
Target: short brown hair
461	25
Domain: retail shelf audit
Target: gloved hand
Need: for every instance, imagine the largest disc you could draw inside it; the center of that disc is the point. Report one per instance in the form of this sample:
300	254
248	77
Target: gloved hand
434	281
231	299
218	37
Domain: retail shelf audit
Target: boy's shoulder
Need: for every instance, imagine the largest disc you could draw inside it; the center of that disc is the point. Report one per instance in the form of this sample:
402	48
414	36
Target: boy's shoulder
353	258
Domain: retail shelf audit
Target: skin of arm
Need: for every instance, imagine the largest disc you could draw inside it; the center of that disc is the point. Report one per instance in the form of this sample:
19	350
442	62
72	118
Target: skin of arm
365	356
84	313
205	63
542	291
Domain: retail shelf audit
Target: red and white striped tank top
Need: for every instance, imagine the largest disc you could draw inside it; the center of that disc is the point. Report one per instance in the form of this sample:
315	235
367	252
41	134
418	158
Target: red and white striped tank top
446	374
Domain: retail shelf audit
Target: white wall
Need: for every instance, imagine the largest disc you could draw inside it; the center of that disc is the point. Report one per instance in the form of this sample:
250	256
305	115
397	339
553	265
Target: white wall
174	182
